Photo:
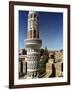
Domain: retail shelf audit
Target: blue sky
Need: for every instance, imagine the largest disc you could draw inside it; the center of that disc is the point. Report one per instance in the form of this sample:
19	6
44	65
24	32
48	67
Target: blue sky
50	29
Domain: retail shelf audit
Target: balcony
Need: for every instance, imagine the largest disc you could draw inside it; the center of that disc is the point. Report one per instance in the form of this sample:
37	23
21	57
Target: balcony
34	43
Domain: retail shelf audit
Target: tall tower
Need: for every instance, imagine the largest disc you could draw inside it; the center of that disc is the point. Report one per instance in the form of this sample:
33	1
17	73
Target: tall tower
33	44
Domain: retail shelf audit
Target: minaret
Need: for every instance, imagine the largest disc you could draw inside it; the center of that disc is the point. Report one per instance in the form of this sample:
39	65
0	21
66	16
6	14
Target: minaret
33	44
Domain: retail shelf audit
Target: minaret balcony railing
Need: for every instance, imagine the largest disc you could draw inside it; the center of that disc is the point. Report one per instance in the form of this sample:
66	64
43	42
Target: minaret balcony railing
33	43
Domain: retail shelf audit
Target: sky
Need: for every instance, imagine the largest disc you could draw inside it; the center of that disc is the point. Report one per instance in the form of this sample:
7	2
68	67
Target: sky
50	29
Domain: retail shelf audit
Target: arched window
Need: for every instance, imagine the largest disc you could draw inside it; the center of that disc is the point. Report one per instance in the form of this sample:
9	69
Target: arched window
34	34
30	33
38	34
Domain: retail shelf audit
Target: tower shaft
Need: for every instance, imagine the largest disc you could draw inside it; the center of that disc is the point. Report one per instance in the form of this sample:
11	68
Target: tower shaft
33	44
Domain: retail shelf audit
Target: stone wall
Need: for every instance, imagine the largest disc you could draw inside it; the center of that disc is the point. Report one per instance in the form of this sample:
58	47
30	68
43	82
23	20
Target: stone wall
49	69
54	70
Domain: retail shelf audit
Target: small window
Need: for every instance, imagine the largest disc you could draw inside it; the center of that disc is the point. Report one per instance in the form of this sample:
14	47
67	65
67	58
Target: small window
21	66
34	15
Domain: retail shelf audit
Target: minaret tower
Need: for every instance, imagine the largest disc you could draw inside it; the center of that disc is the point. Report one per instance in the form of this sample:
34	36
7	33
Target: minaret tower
33	44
